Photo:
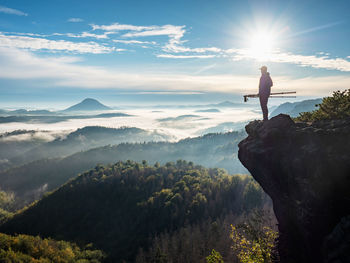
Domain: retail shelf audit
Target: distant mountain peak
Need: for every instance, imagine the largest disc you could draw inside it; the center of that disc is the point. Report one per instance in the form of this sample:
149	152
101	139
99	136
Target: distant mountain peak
90	100
88	104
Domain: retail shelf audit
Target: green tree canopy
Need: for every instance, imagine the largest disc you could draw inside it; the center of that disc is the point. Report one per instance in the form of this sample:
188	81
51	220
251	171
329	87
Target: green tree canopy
334	107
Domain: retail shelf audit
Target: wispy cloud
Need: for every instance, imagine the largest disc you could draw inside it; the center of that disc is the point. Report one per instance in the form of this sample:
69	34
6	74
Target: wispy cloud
25	34
181	49
11	11
53	45
85	35
175	48
119	27
172	47
173	32
319	62
75	20
184	56
61	71
174	44
21	64
323	62
72	35
134	42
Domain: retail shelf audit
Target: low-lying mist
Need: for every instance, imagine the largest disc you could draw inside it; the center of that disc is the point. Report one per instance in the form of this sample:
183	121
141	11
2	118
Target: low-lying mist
174	123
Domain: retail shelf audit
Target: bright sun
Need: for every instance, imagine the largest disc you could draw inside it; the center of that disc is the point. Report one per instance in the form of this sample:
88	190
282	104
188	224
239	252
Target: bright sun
261	45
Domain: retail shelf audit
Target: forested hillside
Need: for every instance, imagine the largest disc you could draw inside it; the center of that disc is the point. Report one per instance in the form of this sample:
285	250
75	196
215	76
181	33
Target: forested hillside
7	201
82	139
24	248
121	207
30	181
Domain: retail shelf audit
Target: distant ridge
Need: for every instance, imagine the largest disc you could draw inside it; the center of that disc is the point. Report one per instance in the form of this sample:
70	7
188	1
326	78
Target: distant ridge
208	110
226	104
88	105
293	109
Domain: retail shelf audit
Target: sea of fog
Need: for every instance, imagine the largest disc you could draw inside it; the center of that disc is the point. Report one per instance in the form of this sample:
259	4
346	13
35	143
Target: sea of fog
174	122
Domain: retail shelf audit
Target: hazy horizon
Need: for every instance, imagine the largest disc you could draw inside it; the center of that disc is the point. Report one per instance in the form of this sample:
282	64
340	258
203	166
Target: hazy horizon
154	100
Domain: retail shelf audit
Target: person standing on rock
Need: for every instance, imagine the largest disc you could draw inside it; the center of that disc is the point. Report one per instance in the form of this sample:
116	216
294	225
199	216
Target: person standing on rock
265	85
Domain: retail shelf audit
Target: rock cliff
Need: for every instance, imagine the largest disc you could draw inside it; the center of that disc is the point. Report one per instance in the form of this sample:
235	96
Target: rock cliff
305	168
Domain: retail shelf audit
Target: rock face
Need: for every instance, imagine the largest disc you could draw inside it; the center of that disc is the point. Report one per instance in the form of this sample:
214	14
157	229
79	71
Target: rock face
305	168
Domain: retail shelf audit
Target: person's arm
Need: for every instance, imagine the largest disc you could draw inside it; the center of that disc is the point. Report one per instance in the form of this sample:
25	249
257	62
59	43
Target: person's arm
270	83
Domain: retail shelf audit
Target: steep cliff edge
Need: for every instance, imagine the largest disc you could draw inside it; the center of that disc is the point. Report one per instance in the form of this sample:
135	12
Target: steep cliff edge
305	168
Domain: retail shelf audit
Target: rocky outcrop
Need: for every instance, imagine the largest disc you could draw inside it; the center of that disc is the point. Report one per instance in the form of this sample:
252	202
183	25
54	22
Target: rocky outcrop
305	168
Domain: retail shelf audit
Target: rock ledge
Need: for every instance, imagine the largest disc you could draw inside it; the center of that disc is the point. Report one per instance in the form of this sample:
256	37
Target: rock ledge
305	168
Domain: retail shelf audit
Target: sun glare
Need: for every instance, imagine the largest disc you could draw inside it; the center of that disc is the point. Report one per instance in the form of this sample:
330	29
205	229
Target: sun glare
261	45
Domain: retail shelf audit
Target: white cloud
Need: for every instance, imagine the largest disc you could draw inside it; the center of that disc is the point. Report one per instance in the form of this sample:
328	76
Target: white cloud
24	34
11	11
184	56
320	62
21	64
52	45
86	34
175	49
181	49
175	45
134	42
173	32
119	27
313	61
75	20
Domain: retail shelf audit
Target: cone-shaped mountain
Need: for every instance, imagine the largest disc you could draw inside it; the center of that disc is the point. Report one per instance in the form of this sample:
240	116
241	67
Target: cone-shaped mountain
88	105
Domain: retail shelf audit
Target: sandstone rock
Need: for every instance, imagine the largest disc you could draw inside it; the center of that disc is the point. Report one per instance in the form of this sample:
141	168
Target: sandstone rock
305	168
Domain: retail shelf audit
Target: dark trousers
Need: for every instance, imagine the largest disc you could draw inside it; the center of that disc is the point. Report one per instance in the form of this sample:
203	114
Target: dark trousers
263	104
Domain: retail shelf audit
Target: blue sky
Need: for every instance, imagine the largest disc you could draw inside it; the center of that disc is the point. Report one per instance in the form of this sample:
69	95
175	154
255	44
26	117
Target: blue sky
56	52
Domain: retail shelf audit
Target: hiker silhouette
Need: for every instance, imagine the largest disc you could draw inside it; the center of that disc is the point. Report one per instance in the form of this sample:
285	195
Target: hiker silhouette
265	85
